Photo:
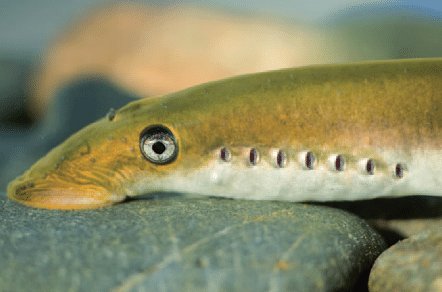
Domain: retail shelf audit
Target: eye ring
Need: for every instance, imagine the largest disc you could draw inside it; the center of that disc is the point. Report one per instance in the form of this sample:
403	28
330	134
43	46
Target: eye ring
158	144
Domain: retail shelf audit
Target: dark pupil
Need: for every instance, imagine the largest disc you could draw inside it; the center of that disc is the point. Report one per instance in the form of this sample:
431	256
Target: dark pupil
158	147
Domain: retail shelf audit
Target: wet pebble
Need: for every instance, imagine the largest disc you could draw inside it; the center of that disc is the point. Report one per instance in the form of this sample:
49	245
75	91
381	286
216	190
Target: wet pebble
174	242
413	264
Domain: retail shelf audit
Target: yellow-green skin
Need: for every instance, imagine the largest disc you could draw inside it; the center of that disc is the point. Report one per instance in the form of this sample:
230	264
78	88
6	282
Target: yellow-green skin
389	111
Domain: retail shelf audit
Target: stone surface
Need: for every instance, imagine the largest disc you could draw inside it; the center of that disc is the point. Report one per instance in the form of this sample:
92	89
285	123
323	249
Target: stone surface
184	243
413	264
396	218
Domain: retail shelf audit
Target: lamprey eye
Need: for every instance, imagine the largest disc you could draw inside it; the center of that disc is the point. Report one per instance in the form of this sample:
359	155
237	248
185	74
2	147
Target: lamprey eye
158	144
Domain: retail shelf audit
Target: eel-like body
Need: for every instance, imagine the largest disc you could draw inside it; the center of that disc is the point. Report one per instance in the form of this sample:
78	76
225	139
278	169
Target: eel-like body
316	133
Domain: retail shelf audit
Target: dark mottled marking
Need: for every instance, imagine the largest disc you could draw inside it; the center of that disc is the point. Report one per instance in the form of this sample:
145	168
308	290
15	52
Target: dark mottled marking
88	149
202	262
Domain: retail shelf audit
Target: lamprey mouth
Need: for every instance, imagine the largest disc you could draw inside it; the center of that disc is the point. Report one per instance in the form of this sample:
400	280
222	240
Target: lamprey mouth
59	196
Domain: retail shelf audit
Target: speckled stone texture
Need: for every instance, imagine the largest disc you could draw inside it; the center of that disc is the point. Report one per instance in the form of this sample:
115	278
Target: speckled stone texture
413	264
181	243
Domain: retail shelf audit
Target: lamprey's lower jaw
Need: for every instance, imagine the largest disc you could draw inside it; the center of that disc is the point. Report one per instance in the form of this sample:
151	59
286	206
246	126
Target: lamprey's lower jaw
90	197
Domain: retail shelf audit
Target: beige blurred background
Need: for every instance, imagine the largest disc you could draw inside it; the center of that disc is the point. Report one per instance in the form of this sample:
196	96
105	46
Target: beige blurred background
153	48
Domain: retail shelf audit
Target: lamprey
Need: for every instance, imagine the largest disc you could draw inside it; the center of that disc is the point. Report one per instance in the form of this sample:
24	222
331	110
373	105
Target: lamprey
315	133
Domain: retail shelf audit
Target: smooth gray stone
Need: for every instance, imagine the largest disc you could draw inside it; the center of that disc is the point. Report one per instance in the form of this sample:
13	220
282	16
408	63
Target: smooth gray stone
414	264
182	243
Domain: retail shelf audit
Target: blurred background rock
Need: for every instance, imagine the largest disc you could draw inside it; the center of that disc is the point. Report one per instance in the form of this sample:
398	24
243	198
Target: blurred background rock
64	64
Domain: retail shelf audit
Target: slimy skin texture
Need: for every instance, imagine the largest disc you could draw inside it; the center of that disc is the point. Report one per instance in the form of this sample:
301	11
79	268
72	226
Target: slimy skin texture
389	112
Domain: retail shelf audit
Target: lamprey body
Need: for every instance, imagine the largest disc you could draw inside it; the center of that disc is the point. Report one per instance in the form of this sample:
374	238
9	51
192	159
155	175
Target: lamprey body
316	133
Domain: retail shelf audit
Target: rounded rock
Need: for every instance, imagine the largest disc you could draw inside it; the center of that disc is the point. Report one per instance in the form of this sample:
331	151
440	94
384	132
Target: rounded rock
413	264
